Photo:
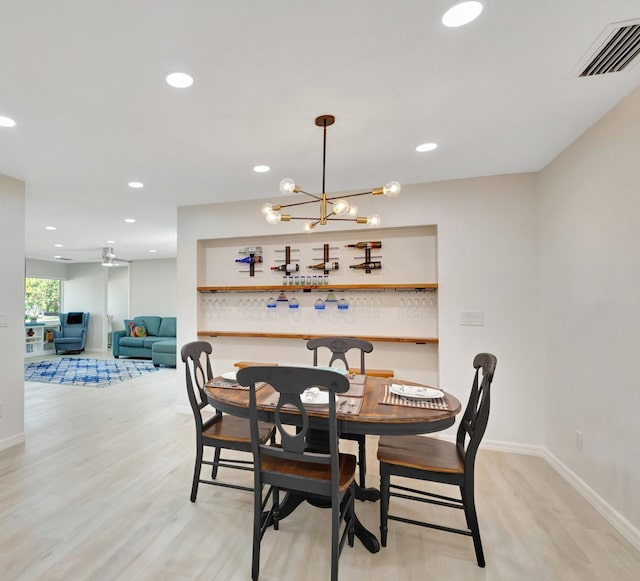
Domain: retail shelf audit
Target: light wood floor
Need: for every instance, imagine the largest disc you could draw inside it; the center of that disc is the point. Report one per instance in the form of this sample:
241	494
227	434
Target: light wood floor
101	489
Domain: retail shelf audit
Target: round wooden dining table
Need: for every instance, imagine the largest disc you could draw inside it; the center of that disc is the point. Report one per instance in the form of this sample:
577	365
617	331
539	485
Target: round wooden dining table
370	416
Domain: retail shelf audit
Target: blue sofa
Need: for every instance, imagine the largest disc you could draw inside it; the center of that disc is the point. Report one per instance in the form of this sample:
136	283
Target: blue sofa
159	344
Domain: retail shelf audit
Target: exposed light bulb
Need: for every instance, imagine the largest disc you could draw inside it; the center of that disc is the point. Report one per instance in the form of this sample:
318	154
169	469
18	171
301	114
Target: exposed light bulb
267	208
353	210
6	121
373	220
287	186
308	226
340	206
273	217
392	189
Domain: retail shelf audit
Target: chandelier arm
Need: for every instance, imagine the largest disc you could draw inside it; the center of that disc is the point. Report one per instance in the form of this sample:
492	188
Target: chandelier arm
312	218
348	196
310	195
298	204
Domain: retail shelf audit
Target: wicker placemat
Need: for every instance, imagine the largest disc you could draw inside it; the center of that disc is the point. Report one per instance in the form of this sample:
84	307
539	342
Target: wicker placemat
225	383
345	405
389	398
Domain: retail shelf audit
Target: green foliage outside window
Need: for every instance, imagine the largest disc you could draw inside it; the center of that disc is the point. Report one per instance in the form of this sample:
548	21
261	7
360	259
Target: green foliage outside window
42	295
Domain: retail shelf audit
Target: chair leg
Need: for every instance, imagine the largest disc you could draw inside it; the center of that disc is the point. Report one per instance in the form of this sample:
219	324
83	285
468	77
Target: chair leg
362	461
472	521
384	506
335	539
196	474
276	509
257	525
216	460
351	516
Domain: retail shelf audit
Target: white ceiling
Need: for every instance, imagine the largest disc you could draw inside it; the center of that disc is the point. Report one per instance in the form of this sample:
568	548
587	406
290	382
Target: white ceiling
84	80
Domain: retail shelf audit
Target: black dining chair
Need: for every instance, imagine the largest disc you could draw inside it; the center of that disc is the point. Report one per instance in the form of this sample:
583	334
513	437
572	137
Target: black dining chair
339	347
219	431
321	474
424	458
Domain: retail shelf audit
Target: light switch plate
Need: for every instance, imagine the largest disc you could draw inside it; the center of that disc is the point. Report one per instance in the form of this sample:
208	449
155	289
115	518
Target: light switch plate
472	318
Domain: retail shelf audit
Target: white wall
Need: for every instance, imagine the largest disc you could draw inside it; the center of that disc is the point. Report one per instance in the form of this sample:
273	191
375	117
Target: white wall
46	269
487	260
589	288
85	291
153	287
12	262
118	291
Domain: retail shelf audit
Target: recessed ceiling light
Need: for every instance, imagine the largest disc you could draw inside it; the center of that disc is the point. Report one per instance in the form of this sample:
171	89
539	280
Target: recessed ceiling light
7	122
152	251
261	168
111	241
129	220
136	185
57	256
57	245
49	227
179	80
462	13
426	147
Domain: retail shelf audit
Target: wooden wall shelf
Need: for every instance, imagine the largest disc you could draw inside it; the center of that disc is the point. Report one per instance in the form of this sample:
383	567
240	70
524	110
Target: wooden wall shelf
322	287
307	336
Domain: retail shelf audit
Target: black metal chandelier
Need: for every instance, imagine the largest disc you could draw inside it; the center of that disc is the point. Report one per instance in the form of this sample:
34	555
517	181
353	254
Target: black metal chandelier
331	208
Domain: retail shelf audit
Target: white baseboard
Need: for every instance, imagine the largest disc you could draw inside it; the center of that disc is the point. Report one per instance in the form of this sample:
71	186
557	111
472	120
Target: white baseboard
12	441
619	522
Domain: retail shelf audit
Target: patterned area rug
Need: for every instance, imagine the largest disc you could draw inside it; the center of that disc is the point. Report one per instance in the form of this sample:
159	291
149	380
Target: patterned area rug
80	371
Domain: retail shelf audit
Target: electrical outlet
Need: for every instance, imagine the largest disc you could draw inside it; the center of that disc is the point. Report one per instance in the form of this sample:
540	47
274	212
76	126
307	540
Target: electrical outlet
578	440
472	318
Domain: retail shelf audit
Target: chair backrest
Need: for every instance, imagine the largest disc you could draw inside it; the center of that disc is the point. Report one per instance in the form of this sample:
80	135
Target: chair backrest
474	421
197	362
290	383
73	324
339	347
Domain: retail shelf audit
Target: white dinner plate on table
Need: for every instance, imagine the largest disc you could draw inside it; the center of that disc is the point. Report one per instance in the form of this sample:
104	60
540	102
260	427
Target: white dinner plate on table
229	375
315	396
416	392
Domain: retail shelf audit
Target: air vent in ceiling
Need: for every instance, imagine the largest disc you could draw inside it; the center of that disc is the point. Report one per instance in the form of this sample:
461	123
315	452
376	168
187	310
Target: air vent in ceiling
621	44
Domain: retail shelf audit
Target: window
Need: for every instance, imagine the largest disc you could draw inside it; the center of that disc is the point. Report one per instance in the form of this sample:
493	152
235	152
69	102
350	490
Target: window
42	298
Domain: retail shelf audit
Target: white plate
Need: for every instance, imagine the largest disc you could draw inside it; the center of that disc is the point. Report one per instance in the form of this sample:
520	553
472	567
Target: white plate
315	396
416	392
229	375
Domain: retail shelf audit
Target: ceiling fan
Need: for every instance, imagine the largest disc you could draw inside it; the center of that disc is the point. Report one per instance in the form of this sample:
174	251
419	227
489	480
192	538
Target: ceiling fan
108	257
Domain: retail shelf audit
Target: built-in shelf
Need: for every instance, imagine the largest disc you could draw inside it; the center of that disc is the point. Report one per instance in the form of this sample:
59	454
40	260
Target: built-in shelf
321	287
307	336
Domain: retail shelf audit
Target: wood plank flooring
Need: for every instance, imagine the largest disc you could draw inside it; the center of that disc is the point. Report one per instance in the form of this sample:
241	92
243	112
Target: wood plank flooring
100	491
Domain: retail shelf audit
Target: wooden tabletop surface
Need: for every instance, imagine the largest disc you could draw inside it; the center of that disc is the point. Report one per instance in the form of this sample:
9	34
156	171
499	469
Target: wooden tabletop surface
374	417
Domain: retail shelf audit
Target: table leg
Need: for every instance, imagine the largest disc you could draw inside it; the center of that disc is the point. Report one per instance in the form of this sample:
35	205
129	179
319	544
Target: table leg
294	499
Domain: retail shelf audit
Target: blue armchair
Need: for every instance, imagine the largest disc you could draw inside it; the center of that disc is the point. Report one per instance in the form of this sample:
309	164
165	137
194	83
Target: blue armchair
73	332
